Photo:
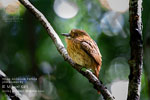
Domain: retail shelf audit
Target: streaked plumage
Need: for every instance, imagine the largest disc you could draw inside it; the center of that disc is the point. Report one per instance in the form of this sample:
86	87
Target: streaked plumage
83	50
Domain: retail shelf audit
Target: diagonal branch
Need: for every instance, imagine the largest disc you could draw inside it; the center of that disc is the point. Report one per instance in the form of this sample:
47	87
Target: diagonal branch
9	89
60	47
136	43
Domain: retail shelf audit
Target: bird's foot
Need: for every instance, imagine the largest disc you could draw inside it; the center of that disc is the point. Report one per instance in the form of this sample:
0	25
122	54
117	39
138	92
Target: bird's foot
83	69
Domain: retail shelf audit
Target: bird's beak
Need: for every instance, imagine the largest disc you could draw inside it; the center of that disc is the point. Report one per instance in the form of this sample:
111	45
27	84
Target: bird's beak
66	34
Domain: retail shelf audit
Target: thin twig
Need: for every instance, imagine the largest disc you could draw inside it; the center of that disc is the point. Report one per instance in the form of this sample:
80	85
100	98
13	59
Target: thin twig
60	47
136	43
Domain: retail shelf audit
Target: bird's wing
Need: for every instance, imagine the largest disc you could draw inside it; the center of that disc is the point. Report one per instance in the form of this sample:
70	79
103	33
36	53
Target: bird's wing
91	48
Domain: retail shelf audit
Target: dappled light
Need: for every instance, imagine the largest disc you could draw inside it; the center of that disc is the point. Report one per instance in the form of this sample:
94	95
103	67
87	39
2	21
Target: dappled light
116	5
10	6
119	89
31	91
112	23
65	8
48	90
119	68
46	68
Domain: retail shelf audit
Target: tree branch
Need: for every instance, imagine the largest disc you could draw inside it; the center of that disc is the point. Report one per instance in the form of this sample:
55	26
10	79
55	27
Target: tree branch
136	43
60	47
9	89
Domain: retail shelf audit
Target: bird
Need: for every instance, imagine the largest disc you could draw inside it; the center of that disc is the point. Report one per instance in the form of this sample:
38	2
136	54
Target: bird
83	50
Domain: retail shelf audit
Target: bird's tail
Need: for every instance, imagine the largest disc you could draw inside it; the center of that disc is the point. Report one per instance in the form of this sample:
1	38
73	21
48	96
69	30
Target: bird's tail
97	69
98	92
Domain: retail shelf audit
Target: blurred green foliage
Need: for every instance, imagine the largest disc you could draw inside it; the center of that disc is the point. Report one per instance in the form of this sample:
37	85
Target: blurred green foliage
26	50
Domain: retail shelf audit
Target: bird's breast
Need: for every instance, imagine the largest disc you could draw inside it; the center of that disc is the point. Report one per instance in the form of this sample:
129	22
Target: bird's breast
77	54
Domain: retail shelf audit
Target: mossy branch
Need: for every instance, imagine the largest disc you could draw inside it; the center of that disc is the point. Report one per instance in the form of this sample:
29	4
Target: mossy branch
136	43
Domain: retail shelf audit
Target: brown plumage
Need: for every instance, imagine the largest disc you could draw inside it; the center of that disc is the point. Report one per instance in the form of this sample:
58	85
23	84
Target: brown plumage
83	50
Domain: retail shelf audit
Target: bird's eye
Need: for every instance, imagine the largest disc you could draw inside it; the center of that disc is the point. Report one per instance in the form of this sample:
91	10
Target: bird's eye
73	35
76	34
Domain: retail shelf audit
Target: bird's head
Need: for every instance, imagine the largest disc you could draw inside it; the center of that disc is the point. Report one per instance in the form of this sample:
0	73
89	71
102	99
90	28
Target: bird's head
75	33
